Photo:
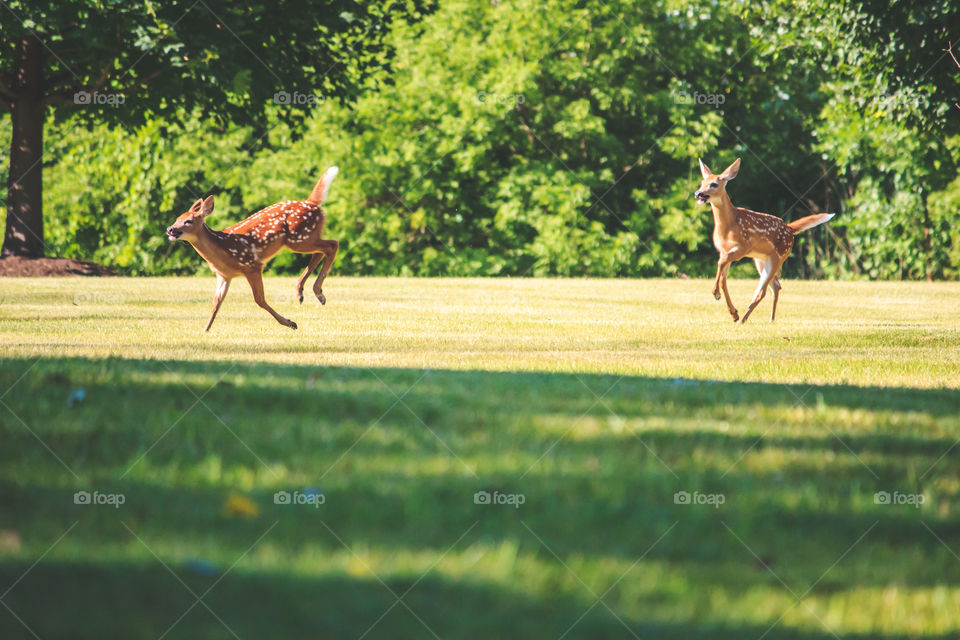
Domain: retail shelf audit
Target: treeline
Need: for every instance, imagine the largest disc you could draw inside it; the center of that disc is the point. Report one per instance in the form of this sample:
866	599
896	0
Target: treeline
560	137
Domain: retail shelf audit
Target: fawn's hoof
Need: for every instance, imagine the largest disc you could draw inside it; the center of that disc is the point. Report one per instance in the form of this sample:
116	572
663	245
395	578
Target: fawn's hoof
300	296
292	325
716	293
736	316
322	298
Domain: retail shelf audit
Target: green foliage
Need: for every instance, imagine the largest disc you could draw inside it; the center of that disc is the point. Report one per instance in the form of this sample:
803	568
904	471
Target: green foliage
111	192
482	150
227	59
888	128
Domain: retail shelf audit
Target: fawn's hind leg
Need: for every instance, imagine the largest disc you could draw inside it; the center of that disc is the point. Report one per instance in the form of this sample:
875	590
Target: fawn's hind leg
771	267
329	250
325	250
314	261
775	285
776	297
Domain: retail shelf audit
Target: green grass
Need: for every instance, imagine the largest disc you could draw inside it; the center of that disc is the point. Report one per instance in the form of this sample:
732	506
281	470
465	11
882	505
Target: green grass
398	400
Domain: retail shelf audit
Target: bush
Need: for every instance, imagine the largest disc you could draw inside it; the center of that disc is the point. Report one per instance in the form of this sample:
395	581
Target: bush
484	151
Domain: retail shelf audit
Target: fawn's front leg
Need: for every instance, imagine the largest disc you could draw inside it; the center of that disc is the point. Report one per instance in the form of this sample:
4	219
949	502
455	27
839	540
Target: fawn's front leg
723	267
255	278
222	285
716	282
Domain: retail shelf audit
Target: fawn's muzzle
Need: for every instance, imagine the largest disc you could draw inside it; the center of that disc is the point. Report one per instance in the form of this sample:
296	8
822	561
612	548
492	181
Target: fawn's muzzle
173	233
701	196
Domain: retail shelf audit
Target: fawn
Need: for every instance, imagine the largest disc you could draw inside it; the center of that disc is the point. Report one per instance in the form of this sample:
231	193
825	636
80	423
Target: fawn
741	233
245	247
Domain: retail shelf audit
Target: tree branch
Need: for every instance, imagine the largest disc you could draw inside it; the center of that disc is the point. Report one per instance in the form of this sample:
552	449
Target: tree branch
102	80
61	97
6	92
949	50
69	29
145	79
57	79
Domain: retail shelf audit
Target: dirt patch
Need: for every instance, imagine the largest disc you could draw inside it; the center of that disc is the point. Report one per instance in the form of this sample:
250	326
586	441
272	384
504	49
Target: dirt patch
32	267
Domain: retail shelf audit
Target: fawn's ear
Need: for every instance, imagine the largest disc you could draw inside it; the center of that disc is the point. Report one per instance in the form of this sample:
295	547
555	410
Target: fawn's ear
731	172
704	169
207	207
197	206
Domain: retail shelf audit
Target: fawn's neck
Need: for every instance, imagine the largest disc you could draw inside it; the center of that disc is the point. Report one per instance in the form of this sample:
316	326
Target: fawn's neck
208	245
724	214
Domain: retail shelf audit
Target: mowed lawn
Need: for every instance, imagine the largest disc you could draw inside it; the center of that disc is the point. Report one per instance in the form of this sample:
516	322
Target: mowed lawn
660	471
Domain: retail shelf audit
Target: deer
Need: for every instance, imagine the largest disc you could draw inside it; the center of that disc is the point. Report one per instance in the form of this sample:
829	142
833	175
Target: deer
244	248
741	233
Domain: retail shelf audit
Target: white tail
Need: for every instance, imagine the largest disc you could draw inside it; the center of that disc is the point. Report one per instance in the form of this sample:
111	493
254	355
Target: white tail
319	194
810	222
245	247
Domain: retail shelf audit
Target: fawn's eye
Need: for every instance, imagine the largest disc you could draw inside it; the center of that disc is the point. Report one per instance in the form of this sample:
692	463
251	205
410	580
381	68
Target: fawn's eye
714	185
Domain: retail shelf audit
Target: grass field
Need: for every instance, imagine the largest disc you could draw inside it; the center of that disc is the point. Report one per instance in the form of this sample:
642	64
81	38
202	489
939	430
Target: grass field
819	455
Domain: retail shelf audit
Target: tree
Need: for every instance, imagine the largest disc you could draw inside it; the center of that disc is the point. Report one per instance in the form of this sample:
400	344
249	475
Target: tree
949	50
886	126
485	151
125	61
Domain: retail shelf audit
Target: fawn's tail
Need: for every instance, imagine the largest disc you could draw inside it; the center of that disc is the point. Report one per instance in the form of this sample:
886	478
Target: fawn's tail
810	221
320	191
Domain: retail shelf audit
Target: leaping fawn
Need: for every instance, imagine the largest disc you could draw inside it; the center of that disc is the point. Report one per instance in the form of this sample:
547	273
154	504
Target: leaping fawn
245	247
741	233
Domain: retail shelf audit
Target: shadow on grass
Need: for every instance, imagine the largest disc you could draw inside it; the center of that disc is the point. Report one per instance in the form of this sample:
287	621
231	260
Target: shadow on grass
399	455
92	601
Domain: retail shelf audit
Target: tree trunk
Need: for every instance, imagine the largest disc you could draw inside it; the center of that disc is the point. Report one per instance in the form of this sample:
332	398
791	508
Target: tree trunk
24	234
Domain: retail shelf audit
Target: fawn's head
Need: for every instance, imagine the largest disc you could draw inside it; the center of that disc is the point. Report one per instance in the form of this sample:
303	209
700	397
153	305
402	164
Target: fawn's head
713	185
188	224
